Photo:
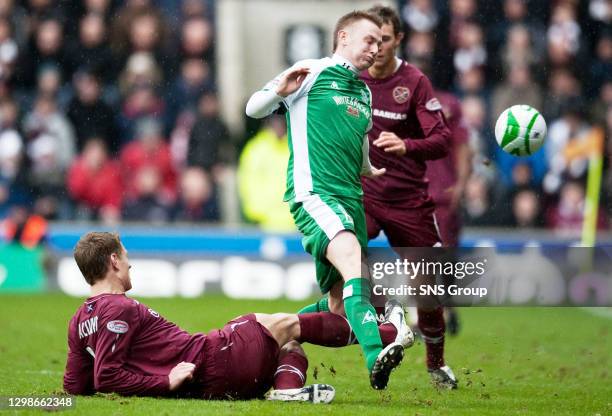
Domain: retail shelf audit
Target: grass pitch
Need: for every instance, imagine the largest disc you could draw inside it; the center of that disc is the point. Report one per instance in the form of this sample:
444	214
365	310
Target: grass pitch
512	361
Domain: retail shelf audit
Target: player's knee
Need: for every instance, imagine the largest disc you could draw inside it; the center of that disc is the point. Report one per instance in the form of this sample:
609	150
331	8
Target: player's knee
285	318
343	245
292	347
336	305
288	322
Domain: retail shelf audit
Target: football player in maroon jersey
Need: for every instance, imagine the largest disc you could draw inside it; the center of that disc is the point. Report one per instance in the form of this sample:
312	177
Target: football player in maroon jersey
409	129
117	344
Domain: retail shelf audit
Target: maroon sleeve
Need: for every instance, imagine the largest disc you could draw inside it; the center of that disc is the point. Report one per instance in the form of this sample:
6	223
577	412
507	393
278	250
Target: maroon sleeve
436	142
117	328
78	377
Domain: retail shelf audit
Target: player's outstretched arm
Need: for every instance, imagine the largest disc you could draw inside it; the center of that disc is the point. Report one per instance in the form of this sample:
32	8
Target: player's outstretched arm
266	101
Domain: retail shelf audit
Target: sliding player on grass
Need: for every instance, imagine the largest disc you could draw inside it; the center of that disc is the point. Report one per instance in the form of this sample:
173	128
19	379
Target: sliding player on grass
118	345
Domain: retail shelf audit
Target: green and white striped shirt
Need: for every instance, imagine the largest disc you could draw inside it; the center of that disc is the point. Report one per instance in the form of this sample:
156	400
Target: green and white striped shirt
327	120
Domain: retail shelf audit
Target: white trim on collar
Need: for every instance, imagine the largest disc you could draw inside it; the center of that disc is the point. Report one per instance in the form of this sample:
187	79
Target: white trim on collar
345	63
398	63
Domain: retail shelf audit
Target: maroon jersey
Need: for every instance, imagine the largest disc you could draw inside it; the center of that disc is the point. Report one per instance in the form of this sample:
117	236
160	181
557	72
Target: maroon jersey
404	103
116	344
442	173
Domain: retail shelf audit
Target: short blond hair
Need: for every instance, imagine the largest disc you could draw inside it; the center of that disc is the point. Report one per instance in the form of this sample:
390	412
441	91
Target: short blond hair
349	19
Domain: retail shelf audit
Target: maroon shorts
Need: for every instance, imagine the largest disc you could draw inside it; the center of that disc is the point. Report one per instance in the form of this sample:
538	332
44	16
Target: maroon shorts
404	226
449	224
239	360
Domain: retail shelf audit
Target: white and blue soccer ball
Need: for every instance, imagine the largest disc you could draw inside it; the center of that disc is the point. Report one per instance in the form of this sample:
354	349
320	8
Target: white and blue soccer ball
520	130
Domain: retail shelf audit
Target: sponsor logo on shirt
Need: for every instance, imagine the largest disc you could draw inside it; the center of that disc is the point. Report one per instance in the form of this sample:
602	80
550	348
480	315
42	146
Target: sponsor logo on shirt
152	312
88	327
118	327
352	102
433	105
334	85
389	114
401	94
352	111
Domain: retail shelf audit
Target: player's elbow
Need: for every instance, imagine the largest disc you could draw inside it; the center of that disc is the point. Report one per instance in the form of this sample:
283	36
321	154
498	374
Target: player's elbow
444	151
104	381
253	110
71	388
262	104
77	389
444	145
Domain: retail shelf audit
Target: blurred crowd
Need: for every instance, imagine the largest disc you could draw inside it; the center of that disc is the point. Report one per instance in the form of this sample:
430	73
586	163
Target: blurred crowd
553	55
109	110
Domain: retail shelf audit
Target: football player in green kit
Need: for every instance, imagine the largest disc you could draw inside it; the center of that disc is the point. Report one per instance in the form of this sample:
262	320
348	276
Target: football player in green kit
328	117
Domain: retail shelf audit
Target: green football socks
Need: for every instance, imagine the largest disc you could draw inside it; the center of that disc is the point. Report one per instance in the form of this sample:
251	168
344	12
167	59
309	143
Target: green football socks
362	317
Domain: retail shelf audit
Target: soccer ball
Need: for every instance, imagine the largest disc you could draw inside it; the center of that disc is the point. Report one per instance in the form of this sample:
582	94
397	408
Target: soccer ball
520	130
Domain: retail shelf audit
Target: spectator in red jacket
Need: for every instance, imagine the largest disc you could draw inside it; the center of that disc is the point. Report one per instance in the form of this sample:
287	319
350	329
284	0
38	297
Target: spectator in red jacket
149	149
94	182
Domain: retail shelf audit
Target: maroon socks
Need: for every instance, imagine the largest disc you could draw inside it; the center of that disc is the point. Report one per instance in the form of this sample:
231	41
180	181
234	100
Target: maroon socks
291	371
331	330
431	325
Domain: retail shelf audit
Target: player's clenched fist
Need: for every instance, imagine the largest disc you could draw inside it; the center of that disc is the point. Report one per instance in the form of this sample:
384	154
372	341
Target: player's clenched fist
183	371
291	81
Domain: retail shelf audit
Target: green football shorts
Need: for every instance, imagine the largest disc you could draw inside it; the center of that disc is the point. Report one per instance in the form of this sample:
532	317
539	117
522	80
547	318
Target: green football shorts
319	218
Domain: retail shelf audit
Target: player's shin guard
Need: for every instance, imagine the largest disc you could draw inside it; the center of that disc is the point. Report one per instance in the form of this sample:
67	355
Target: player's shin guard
431	326
362	317
321	306
291	371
